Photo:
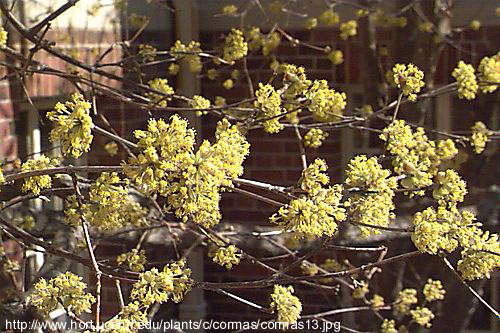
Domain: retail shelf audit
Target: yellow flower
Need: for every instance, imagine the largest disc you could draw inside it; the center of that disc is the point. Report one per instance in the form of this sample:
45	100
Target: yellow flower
489	68
72	125
286	304
329	17
479	137
269	102
467	84
336	57
3	37
37	183
235	46
314	138
410	79
348	29
160	85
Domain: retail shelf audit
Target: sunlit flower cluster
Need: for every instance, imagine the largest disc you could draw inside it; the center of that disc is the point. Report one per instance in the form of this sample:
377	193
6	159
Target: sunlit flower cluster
422	316
72	125
309	268
269	102
235	46
268	42
37	183
405	299
160	85
409	78
329	18
199	102
479	259
325	104
147	52
415	156
66	289
433	290
466	79
348	29
377	301
131	318
286	304
137	20
489	69
188	54
295	81
479	137
3	37
111	148
450	188
316	213
229	10
336	57
361	290
443	230
224	255
311	23
388	326
314	138
153	286
133	260
371	203
190	181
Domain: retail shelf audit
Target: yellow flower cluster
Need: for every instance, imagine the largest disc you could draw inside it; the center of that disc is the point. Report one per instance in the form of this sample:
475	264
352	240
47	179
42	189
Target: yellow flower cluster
157	287
147	52
188	54
405	299
66	289
131	318
235	46
137	20
111	148
410	79
2	178
269	102
388	326
361	290
108	207
450	188
433	290
415	156
426	26
479	137
466	79
489	68
286	304
72	125
268	42
348	29
373	205
295	81
329	17
314	138
134	260
377	301
160	85
311	23
173	69
37	183
190	181
336	57
475	25
3	37
199	102
308	268
325	104
224	255
229	10
422	316
443	230
475	262
318	212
